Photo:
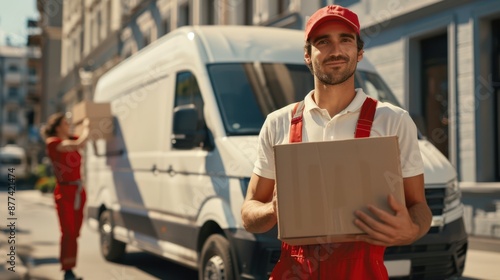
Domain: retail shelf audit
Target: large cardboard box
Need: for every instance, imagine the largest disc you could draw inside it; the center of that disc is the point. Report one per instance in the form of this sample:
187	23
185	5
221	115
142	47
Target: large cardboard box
321	184
89	109
101	120
99	128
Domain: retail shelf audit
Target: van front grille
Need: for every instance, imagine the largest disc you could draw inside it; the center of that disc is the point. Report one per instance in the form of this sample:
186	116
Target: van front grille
433	261
435	200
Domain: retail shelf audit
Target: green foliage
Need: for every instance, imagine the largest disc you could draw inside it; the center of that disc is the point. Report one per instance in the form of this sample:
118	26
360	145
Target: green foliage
45	184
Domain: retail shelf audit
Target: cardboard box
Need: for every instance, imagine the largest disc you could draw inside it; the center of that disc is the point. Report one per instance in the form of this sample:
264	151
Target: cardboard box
89	109
321	184
99	128
99	114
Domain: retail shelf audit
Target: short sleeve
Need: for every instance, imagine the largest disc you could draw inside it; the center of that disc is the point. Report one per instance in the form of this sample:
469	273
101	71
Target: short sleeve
52	144
264	165
411	158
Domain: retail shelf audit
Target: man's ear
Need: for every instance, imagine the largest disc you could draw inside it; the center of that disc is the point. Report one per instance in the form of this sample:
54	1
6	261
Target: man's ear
360	55
307	58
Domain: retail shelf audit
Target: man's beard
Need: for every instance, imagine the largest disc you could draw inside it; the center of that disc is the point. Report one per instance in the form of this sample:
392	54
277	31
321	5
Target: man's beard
333	79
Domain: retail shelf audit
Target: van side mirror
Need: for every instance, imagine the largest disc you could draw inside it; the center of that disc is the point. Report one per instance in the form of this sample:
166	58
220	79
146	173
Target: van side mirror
185	132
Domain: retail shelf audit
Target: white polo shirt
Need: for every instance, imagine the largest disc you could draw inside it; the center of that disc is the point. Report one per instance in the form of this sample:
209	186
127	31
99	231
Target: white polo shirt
317	125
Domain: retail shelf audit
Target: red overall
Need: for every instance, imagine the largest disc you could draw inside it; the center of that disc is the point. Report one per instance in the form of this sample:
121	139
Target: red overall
70	197
342	261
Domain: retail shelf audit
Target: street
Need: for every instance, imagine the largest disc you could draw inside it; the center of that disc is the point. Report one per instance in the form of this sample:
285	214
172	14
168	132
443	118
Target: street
37	245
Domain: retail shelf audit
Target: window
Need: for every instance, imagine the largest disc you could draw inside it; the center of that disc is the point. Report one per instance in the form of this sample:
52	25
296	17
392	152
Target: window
32	71
13	92
13	68
434	85
187	92
183	15
166	25
247	92
283	6
248	10
211	12
12	117
146	35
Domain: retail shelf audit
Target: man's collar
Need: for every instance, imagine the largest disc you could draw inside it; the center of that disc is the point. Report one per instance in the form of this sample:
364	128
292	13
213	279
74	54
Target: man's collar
354	106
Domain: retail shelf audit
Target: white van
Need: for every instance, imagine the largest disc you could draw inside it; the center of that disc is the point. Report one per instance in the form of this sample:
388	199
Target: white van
188	110
13	161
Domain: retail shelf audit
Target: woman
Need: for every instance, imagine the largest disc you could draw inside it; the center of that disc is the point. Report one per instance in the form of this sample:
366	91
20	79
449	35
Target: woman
69	194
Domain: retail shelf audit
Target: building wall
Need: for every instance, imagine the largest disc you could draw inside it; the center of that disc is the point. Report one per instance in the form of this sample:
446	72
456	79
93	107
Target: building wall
50	22
90	46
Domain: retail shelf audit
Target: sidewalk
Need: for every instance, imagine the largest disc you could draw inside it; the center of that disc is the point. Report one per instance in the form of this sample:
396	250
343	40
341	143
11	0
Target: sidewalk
11	268
21	270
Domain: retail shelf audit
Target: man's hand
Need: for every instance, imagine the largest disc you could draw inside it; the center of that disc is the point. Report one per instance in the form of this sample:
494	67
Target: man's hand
391	229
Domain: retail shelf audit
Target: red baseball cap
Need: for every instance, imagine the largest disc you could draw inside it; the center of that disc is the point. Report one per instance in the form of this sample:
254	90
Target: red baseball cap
332	12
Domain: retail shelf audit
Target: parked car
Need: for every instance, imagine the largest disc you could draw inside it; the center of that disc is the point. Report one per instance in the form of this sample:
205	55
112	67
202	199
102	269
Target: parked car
13	161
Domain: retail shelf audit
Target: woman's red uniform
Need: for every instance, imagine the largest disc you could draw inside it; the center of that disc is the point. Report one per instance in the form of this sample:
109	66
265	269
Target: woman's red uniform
70	197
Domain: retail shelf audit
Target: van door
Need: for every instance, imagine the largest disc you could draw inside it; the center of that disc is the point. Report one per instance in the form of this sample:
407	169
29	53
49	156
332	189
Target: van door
186	182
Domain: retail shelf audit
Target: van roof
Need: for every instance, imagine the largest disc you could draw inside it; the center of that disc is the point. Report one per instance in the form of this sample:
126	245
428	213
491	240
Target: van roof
12	150
254	43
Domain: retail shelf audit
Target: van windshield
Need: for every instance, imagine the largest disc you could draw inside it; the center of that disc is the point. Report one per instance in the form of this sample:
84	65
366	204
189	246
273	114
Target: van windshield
247	92
7	160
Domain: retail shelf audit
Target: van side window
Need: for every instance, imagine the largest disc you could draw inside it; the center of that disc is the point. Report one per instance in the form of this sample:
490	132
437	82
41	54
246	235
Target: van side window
190	130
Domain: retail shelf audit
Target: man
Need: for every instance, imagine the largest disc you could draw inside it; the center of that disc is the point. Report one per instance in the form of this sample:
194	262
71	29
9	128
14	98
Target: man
336	110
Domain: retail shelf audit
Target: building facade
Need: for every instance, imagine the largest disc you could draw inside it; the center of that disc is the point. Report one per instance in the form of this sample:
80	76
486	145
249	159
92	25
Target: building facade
15	81
18	93
50	24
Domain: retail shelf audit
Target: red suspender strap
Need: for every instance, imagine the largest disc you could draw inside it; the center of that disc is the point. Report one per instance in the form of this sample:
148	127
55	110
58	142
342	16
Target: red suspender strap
365	119
296	123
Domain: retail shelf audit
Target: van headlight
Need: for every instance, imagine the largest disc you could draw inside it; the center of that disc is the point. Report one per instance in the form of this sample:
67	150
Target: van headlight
452	196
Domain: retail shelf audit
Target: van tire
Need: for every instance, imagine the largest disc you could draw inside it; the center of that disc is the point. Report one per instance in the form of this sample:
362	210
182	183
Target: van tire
111	249
216	261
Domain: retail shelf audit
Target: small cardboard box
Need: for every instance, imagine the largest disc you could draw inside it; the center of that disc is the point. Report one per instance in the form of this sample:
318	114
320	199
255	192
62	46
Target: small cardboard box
99	114
99	128
89	109
321	184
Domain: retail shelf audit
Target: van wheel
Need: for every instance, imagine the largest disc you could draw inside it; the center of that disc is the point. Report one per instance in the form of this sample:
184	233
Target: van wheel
216	262
111	249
